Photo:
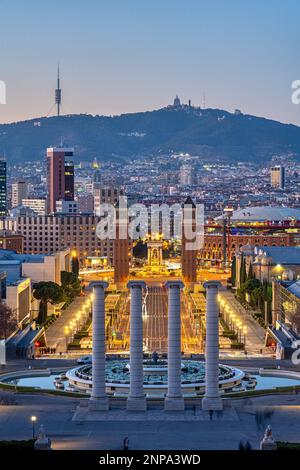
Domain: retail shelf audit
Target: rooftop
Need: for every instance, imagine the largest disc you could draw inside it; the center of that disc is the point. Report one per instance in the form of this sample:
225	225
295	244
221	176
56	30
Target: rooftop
294	288
11	257
285	255
263	213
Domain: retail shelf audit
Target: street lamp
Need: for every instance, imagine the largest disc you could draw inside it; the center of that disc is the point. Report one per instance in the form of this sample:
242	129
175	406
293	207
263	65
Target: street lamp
239	330
232	316
245	332
67	332
33	421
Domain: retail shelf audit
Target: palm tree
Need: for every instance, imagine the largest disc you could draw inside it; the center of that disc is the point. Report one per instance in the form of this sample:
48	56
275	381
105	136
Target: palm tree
47	292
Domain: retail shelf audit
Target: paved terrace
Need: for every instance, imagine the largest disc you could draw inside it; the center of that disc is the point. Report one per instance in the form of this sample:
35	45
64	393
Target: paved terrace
55	333
252	417
255	338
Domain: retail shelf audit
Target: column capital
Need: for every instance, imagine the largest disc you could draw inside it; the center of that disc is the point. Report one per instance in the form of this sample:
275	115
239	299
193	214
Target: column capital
102	284
178	284
209	284
140	284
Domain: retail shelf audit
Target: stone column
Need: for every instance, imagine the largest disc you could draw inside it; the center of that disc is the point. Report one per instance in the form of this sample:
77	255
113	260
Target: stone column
136	400
99	399
174	400
212	400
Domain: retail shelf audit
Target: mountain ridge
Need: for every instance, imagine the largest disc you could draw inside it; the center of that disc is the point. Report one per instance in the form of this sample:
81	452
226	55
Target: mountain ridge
210	133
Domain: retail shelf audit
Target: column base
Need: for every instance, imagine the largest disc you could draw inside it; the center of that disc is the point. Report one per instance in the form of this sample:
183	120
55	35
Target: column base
136	404
99	404
174	404
212	404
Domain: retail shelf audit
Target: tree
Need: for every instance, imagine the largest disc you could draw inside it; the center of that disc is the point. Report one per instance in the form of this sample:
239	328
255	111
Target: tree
250	272
249	287
70	285
243	273
47	292
8	320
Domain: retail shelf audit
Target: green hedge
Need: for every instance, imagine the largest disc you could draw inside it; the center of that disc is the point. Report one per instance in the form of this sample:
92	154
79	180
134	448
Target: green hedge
17	445
236	345
22	389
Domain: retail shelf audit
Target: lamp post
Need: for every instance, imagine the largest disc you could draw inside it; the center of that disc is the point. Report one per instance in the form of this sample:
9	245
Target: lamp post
245	332
67	332
33	421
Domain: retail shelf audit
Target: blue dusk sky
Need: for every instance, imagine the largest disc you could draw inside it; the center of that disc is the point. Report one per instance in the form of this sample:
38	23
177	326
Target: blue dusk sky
119	56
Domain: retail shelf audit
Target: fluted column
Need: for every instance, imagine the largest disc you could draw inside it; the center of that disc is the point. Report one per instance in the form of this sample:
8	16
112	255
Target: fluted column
99	399
136	400
174	400
212	400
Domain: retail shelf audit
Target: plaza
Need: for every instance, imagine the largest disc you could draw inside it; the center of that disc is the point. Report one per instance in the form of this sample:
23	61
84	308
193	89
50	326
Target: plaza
56	414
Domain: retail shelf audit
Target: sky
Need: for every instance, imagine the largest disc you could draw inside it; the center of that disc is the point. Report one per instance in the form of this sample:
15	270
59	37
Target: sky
120	56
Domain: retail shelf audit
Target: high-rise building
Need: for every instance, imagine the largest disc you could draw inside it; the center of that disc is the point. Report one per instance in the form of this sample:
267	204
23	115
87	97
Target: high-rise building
19	191
278	177
3	187
60	176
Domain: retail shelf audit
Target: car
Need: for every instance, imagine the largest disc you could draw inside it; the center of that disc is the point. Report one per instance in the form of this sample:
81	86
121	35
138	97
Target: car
84	360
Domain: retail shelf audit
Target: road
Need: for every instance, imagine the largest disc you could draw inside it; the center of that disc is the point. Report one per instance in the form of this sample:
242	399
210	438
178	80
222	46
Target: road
155	323
155	320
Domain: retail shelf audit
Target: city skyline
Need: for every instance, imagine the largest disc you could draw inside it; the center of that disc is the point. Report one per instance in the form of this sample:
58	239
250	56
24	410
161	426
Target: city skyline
233	56
149	231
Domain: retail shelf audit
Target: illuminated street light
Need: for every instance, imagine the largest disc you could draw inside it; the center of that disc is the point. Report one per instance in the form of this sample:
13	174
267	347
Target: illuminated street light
33	420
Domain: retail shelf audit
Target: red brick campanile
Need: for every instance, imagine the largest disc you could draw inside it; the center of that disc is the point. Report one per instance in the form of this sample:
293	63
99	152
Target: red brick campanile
121	248
188	256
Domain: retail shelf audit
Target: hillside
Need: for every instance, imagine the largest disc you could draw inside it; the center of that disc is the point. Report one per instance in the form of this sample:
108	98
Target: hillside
210	133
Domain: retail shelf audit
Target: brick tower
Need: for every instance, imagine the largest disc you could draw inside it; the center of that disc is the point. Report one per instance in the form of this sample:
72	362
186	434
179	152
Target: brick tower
188	256
121	247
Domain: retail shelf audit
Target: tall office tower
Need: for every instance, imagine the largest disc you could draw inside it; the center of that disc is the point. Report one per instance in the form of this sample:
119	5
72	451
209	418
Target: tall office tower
60	176
186	175
3	187
278	177
188	253
19	191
